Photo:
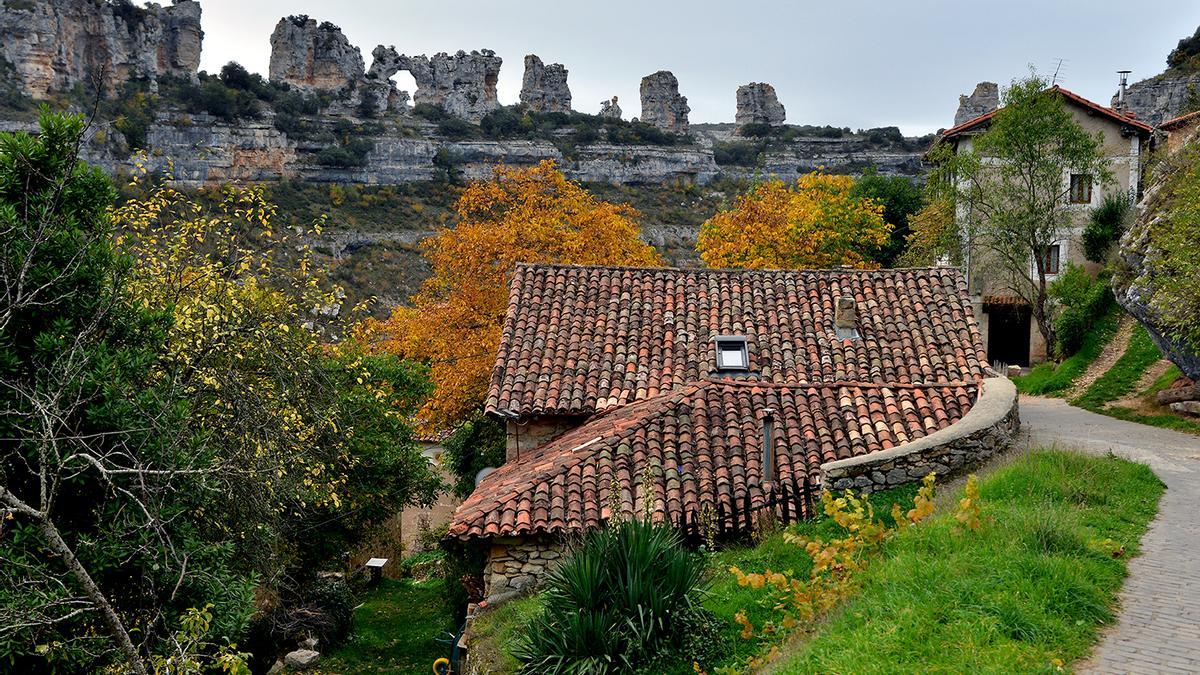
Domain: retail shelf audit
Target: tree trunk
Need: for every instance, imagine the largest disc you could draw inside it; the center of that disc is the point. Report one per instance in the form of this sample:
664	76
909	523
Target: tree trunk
115	626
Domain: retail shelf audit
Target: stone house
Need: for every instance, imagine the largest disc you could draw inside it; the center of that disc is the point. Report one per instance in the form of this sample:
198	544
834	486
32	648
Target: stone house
672	391
1009	333
1179	130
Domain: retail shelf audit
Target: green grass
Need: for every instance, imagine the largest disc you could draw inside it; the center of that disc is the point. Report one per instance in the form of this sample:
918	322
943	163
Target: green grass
395	630
1123	377
1031	587
1048	379
1124	374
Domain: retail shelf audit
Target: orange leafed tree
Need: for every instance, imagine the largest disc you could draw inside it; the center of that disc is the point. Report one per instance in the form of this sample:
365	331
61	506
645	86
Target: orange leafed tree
532	215
815	222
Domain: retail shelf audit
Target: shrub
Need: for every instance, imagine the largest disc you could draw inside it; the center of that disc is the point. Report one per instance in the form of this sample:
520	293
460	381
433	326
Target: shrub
755	130
455	128
622	599
1105	226
1082	301
737	153
475	445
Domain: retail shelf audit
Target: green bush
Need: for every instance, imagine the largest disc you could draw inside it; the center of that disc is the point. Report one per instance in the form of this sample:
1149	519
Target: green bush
627	596
1082	301
737	153
1105	226
475	445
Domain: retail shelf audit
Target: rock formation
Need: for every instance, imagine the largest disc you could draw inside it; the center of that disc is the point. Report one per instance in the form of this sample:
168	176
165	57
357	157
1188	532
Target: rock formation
662	106
54	45
610	109
1135	285
463	85
982	101
544	88
312	57
1162	97
758	104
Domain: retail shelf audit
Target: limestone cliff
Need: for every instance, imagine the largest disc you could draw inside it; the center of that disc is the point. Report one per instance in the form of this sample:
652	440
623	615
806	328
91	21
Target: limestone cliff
313	57
54	45
1163	96
662	106
1135	284
544	87
757	103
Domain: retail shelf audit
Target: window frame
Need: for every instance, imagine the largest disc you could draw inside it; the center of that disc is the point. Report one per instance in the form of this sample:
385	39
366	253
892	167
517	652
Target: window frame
731	343
1046	257
1087	188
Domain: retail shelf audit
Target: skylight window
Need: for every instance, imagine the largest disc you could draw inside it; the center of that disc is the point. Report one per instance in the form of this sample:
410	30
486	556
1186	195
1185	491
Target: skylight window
732	353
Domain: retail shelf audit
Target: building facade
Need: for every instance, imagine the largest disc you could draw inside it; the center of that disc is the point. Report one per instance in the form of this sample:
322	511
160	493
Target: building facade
1010	334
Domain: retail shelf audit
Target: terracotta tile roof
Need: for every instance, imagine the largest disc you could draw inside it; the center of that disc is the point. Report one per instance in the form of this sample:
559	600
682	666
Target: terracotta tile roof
578	340
1180	121
1116	116
702	443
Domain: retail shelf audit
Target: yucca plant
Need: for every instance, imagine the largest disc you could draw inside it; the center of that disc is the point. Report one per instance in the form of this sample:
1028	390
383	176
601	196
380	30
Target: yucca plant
627	595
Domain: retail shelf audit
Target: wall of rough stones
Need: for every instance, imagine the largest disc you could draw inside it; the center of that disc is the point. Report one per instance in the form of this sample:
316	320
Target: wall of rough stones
987	428
518	564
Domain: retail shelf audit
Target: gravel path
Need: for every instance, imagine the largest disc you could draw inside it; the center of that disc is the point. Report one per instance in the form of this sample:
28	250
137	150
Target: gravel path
1158	627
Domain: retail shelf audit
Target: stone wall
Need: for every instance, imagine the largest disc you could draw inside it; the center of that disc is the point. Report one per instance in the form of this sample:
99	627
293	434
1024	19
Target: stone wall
517	565
987	428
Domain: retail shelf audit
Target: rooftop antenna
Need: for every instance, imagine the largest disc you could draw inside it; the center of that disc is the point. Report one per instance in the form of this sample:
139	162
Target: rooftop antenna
1121	91
1057	67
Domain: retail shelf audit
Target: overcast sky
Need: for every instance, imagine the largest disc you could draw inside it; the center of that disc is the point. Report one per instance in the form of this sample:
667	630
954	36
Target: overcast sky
847	63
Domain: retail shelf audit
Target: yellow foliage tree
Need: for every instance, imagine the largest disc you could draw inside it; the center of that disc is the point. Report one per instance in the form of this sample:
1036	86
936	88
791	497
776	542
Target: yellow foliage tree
530	215
813	223
934	236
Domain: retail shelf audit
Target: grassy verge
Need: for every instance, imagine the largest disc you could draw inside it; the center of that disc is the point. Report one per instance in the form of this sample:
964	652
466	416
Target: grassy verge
395	630
1123	377
1028	592
1124	374
1048	379
1034	585
496	629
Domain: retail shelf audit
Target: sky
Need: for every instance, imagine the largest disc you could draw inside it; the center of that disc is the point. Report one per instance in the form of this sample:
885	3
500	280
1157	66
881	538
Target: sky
848	63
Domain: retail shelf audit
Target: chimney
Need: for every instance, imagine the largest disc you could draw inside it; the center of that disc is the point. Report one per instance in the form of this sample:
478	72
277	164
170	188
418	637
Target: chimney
768	432
845	313
1121	90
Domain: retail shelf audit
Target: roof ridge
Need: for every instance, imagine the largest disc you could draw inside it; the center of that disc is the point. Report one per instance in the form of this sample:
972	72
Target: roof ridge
950	384
741	270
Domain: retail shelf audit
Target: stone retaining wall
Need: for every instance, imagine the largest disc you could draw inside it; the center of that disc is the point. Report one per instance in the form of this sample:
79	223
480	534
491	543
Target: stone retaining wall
518	564
986	429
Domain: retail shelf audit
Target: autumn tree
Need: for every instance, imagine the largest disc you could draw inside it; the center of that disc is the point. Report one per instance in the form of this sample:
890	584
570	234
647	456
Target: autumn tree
933	236
816	222
519	215
1010	191
174	424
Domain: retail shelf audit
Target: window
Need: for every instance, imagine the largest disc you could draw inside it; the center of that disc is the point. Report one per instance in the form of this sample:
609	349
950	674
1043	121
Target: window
1081	188
732	353
1050	259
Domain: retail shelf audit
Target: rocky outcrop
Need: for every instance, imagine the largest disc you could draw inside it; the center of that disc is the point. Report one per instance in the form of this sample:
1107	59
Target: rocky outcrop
758	104
462	84
544	88
982	101
54	45
1162	97
1135	285
314	57
662	106
610	109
